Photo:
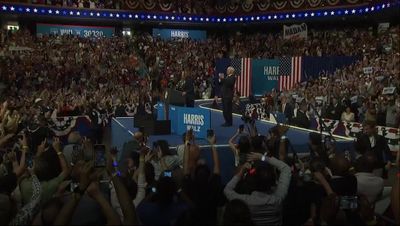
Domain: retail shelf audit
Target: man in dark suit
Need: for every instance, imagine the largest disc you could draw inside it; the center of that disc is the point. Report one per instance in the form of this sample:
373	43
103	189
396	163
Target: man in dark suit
334	110
286	109
227	91
371	141
301	119
188	91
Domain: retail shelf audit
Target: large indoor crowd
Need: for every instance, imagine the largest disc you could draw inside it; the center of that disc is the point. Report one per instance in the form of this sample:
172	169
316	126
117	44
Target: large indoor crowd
44	181
368	90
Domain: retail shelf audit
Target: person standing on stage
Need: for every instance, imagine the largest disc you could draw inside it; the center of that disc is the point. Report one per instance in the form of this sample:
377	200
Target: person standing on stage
227	91
188	89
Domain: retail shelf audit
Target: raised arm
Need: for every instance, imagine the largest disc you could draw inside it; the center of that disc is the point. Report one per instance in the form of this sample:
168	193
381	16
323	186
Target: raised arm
229	189
141	182
94	192
217	168
284	177
186	158
20	169
5	139
125	201
321	179
232	142
66	212
63	163
282	149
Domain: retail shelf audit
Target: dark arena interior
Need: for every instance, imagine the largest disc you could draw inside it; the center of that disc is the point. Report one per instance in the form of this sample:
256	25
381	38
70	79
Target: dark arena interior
199	112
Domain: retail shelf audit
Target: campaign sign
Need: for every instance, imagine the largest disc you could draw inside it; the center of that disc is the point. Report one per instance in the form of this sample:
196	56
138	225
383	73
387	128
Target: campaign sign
184	119
160	111
173	116
82	31
168	34
198	119
265	75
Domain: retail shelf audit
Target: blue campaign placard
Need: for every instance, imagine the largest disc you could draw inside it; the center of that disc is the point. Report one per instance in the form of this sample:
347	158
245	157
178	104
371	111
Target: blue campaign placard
173	116
183	119
82	31
265	75
198	119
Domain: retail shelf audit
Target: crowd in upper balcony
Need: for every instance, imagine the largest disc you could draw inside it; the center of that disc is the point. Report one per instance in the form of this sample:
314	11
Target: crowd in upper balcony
79	68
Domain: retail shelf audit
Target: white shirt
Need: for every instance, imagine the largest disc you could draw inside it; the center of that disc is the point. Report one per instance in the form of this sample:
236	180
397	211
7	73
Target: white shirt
372	141
369	185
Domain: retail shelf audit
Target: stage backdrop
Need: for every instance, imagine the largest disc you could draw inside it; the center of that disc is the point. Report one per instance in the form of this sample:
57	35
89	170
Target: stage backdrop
258	76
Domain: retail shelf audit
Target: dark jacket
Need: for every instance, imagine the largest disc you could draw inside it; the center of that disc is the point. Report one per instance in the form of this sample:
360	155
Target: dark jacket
302	120
228	86
288	111
381	148
334	112
189	89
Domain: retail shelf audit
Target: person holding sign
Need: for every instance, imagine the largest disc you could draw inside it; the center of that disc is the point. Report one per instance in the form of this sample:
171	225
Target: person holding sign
227	91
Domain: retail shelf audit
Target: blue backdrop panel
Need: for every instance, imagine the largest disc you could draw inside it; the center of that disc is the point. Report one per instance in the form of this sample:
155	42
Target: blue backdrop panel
265	74
197	119
313	66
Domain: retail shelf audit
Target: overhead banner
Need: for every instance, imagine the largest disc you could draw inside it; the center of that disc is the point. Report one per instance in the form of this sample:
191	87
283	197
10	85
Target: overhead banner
265	75
295	31
168	34
82	31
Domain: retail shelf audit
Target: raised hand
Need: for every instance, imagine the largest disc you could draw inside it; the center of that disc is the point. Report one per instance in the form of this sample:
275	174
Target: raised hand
86	175
56	144
245	167
94	190
212	140
254	156
42	147
7	137
149	155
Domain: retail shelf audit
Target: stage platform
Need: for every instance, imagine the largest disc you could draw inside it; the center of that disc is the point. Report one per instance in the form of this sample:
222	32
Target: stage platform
122	130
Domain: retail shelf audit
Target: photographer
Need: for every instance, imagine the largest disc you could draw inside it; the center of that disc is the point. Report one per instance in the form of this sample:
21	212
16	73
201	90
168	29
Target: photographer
265	203
165	159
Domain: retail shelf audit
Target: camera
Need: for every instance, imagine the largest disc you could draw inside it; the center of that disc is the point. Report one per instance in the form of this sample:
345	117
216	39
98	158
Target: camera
348	202
99	155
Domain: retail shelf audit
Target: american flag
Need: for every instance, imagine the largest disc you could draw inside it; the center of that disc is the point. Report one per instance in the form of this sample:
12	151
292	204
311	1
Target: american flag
290	72
243	75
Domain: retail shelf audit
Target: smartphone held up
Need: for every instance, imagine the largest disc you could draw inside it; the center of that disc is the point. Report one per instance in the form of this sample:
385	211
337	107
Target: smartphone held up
100	158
